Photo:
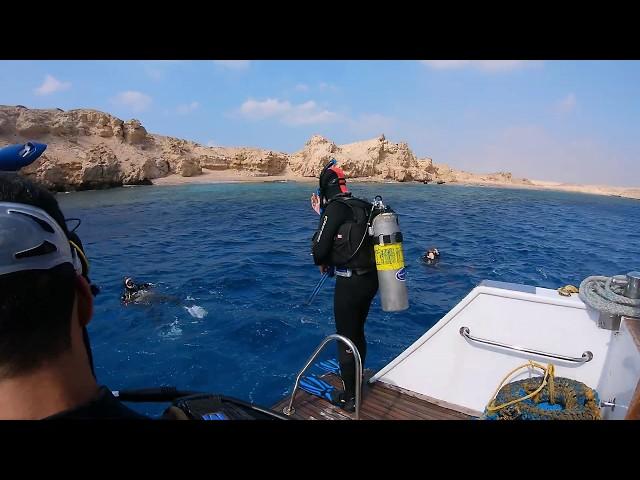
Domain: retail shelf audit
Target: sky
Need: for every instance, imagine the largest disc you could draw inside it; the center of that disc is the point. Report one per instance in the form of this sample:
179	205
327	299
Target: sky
566	121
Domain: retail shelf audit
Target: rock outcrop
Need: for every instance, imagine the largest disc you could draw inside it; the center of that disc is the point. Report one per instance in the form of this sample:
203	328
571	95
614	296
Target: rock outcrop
89	149
376	158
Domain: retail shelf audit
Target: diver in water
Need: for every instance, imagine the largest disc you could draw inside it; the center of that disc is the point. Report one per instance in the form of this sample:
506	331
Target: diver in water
431	256
132	290
146	294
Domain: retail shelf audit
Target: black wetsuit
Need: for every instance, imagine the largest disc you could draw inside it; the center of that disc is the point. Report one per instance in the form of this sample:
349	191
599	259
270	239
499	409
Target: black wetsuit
353	295
104	406
129	293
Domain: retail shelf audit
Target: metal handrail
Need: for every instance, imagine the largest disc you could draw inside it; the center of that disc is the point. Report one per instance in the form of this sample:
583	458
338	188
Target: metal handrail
358	365
587	356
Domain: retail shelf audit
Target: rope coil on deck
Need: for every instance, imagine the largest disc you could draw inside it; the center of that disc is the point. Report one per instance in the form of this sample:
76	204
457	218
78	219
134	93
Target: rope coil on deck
552	398
604	295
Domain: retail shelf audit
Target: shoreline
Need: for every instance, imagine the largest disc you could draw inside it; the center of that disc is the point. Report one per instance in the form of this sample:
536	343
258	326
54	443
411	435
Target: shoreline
93	150
235	176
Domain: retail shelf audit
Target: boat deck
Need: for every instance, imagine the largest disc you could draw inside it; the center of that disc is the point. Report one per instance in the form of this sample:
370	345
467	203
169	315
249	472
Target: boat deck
379	402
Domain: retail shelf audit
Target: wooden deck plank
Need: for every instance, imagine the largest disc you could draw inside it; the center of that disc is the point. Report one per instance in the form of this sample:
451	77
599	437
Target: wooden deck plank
378	403
404	405
393	408
410	404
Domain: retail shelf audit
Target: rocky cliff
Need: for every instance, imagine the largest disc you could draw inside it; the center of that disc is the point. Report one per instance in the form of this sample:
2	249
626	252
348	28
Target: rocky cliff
88	149
376	158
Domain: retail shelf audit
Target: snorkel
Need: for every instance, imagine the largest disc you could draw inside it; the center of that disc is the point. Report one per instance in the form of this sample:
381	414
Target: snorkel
15	157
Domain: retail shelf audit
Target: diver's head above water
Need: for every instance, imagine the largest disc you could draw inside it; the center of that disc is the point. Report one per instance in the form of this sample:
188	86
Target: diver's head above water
131	287
332	182
431	256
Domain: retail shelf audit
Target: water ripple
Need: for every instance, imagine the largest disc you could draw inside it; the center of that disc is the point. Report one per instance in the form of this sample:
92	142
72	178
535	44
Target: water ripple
232	265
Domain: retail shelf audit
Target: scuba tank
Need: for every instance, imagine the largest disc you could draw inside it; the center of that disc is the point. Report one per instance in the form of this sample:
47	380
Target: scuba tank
387	245
383	233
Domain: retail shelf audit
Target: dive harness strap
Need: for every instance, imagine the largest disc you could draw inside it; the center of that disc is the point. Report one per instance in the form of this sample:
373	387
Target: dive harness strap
348	272
387	239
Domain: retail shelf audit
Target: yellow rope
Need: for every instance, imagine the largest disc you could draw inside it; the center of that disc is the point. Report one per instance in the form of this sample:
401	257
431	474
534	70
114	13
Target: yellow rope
82	255
547	378
567	290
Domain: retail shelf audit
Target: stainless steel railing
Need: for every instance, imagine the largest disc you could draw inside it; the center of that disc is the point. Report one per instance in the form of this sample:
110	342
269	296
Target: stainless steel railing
586	356
358	365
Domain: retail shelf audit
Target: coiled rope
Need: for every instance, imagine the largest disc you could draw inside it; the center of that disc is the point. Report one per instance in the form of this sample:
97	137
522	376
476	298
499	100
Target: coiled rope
553	398
605	295
546	379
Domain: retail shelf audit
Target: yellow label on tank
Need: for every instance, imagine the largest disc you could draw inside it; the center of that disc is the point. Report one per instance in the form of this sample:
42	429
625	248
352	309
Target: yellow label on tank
389	257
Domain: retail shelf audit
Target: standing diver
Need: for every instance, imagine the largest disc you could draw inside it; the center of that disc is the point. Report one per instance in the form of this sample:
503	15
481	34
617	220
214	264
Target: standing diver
342	242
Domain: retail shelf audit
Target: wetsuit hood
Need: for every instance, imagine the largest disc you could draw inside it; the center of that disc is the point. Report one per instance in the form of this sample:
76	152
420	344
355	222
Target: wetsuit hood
332	182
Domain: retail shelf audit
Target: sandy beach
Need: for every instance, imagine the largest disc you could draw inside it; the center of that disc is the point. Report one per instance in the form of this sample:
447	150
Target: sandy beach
235	176
226	176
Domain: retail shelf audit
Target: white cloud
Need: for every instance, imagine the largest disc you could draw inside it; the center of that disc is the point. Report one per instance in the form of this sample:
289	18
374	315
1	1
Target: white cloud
136	101
316	87
51	85
306	113
233	64
187	108
483	65
157	69
212	143
324	86
567	104
270	107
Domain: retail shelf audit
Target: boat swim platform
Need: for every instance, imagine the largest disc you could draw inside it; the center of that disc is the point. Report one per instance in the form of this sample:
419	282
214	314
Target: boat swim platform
379	402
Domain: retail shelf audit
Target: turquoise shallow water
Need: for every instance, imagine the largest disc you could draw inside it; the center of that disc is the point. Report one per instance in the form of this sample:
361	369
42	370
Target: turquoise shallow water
232	262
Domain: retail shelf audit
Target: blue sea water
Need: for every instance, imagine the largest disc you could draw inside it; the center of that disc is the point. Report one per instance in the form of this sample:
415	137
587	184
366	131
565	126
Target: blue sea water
232	268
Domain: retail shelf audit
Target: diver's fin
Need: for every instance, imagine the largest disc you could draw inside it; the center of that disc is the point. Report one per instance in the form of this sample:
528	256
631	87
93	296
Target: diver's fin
320	388
329	366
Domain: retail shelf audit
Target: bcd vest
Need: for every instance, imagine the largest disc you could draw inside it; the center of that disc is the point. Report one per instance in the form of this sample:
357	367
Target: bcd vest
350	235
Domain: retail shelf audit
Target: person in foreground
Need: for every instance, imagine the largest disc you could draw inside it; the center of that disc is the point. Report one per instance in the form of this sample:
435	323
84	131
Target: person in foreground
342	241
46	303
